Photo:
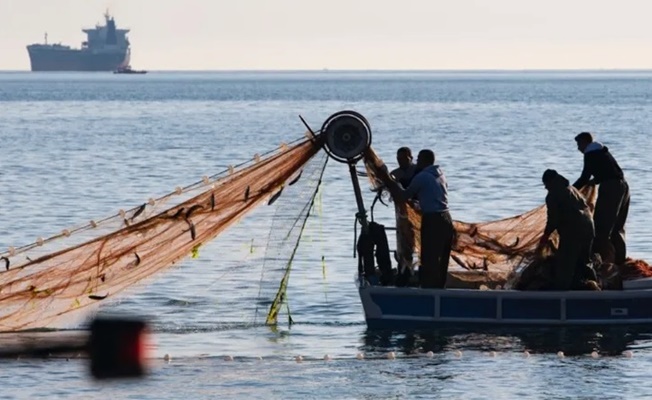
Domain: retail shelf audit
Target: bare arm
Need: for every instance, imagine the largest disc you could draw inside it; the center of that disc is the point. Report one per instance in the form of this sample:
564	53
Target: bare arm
400	194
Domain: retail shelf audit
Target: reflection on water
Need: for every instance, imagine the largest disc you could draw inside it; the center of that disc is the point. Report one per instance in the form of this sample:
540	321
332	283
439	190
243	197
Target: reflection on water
571	340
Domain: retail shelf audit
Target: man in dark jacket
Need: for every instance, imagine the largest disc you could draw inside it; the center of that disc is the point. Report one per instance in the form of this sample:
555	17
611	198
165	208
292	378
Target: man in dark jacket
570	216
437	232
612	204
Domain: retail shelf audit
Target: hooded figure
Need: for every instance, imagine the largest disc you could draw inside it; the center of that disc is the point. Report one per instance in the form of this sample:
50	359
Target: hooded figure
430	188
612	205
570	216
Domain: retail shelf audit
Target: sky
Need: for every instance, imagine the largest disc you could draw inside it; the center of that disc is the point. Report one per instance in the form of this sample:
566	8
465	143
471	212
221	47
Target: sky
346	34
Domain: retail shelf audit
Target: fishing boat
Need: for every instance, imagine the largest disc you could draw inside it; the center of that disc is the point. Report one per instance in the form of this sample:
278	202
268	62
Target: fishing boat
416	307
347	140
128	70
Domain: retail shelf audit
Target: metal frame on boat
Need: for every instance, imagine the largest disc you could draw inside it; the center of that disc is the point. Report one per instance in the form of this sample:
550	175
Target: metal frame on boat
347	136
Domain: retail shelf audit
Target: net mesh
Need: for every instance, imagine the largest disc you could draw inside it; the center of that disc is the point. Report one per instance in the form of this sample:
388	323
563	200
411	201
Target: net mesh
288	225
80	268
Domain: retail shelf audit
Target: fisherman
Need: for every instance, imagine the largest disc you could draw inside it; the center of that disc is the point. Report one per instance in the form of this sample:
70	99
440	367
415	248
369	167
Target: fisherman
404	232
570	216
612	205
406	168
437	232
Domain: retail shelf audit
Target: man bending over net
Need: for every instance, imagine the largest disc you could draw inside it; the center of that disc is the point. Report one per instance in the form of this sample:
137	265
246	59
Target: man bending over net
569	215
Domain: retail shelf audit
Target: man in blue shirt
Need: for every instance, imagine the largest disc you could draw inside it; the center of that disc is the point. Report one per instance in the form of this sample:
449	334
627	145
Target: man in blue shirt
430	188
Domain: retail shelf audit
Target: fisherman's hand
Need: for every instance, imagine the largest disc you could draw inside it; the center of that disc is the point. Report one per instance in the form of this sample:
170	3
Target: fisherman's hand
383	172
542	242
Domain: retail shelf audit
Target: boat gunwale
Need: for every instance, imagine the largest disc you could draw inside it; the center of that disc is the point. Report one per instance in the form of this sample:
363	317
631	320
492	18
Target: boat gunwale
510	293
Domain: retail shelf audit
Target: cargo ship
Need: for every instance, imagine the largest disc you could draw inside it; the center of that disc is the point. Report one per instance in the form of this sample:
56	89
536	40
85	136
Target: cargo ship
105	49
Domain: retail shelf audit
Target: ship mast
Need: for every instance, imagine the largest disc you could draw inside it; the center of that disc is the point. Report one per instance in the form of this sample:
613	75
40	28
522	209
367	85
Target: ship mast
46	38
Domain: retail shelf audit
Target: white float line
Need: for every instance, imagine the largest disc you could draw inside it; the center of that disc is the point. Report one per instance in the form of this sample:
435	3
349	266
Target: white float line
387	356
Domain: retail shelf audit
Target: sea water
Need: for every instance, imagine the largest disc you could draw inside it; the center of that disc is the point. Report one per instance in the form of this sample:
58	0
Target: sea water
81	146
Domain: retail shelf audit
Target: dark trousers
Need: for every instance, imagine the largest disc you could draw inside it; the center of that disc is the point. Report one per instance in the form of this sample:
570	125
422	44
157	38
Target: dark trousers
610	215
572	257
437	235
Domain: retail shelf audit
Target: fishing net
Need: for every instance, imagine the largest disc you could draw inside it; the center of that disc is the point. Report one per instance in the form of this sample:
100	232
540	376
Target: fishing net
494	253
288	225
71	272
80	268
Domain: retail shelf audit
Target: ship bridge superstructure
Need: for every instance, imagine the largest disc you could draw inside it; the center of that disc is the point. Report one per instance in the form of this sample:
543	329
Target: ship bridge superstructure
107	35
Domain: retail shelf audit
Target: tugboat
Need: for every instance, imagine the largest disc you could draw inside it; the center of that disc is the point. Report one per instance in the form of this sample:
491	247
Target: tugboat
127	70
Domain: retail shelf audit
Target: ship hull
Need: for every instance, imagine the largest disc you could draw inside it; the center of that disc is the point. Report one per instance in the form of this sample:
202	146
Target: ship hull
49	58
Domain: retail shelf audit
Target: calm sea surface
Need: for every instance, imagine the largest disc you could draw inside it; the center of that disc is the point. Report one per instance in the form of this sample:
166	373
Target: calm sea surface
82	146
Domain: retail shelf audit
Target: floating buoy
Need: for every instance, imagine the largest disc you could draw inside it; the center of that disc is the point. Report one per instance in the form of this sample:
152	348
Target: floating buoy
228	358
151	201
526	354
560	354
93	224
327	357
430	354
492	354
628	354
39	241
458	353
595	354
167	357
360	356
298	359
178	190
391	355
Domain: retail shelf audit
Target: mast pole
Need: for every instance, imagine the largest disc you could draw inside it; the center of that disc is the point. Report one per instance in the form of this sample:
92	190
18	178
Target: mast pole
362	212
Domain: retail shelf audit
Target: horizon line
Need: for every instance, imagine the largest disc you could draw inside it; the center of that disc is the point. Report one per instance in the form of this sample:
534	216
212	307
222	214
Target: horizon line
373	70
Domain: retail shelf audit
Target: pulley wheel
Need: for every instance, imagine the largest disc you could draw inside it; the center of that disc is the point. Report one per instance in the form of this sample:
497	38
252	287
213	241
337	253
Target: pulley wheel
347	136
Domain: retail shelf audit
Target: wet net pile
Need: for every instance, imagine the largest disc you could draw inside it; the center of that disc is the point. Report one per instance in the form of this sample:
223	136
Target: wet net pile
55	277
494	253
